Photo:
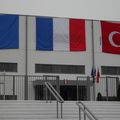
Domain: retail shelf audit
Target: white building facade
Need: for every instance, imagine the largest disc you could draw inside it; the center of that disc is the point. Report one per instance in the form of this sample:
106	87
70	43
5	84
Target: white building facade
26	57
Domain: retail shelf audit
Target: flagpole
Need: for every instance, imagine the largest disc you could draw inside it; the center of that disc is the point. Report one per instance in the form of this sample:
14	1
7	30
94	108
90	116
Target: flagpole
4	85
93	58
26	59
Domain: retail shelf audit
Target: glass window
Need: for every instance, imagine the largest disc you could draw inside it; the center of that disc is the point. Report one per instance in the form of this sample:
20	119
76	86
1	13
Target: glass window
110	70
8	67
52	68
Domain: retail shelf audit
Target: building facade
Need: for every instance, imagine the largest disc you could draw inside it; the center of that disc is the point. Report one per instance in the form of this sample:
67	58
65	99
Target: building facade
67	65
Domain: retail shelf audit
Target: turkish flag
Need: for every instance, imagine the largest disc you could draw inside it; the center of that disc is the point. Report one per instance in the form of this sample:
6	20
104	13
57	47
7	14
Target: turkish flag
110	37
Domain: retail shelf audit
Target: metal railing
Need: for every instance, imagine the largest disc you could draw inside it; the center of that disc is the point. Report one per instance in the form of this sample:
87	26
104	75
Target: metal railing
18	87
83	81
107	87
57	97
87	113
21	87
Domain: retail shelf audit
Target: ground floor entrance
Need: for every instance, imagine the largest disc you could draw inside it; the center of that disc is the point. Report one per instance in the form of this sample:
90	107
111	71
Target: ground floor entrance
68	92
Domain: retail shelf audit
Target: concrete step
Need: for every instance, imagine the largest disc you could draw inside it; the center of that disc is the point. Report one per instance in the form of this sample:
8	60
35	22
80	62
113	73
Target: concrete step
43	119
26	116
104	110
34	110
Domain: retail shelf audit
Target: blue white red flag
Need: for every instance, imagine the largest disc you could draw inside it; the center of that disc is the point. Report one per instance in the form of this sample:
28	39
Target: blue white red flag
60	34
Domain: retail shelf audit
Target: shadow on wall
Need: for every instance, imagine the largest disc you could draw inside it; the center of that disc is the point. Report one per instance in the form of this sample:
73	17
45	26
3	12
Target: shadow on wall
8	97
118	93
109	98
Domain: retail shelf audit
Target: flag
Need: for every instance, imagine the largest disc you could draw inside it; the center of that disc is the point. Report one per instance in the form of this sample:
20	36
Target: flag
93	72
98	76
110	37
9	33
60	34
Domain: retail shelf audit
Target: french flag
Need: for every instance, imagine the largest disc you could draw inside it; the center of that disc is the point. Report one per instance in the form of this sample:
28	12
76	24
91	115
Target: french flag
60	34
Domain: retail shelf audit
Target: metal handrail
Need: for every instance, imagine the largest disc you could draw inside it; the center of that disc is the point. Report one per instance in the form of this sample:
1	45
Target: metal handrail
56	95
86	111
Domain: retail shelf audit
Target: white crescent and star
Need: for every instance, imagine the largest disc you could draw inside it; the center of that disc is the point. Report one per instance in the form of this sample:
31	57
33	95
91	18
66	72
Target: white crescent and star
111	38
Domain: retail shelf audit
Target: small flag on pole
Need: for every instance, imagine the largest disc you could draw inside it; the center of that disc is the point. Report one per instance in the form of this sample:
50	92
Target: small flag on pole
93	72
98	76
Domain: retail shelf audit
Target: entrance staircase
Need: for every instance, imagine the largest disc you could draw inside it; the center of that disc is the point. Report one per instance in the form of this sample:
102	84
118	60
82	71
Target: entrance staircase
36	110
40	110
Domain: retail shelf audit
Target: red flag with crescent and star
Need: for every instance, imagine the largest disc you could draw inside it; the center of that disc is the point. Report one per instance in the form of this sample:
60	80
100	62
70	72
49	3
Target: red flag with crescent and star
110	37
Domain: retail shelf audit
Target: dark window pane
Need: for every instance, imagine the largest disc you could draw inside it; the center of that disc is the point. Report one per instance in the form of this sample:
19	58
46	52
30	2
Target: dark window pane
47	68
8	67
110	70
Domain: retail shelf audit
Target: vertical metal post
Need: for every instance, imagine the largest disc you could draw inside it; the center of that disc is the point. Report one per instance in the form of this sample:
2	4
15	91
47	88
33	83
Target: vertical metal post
4	87
93	58
61	111
84	115
106	88
50	97
79	114
46	90
57	109
14	87
94	88
57	84
26	87
77	89
26	52
88	88
26	62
